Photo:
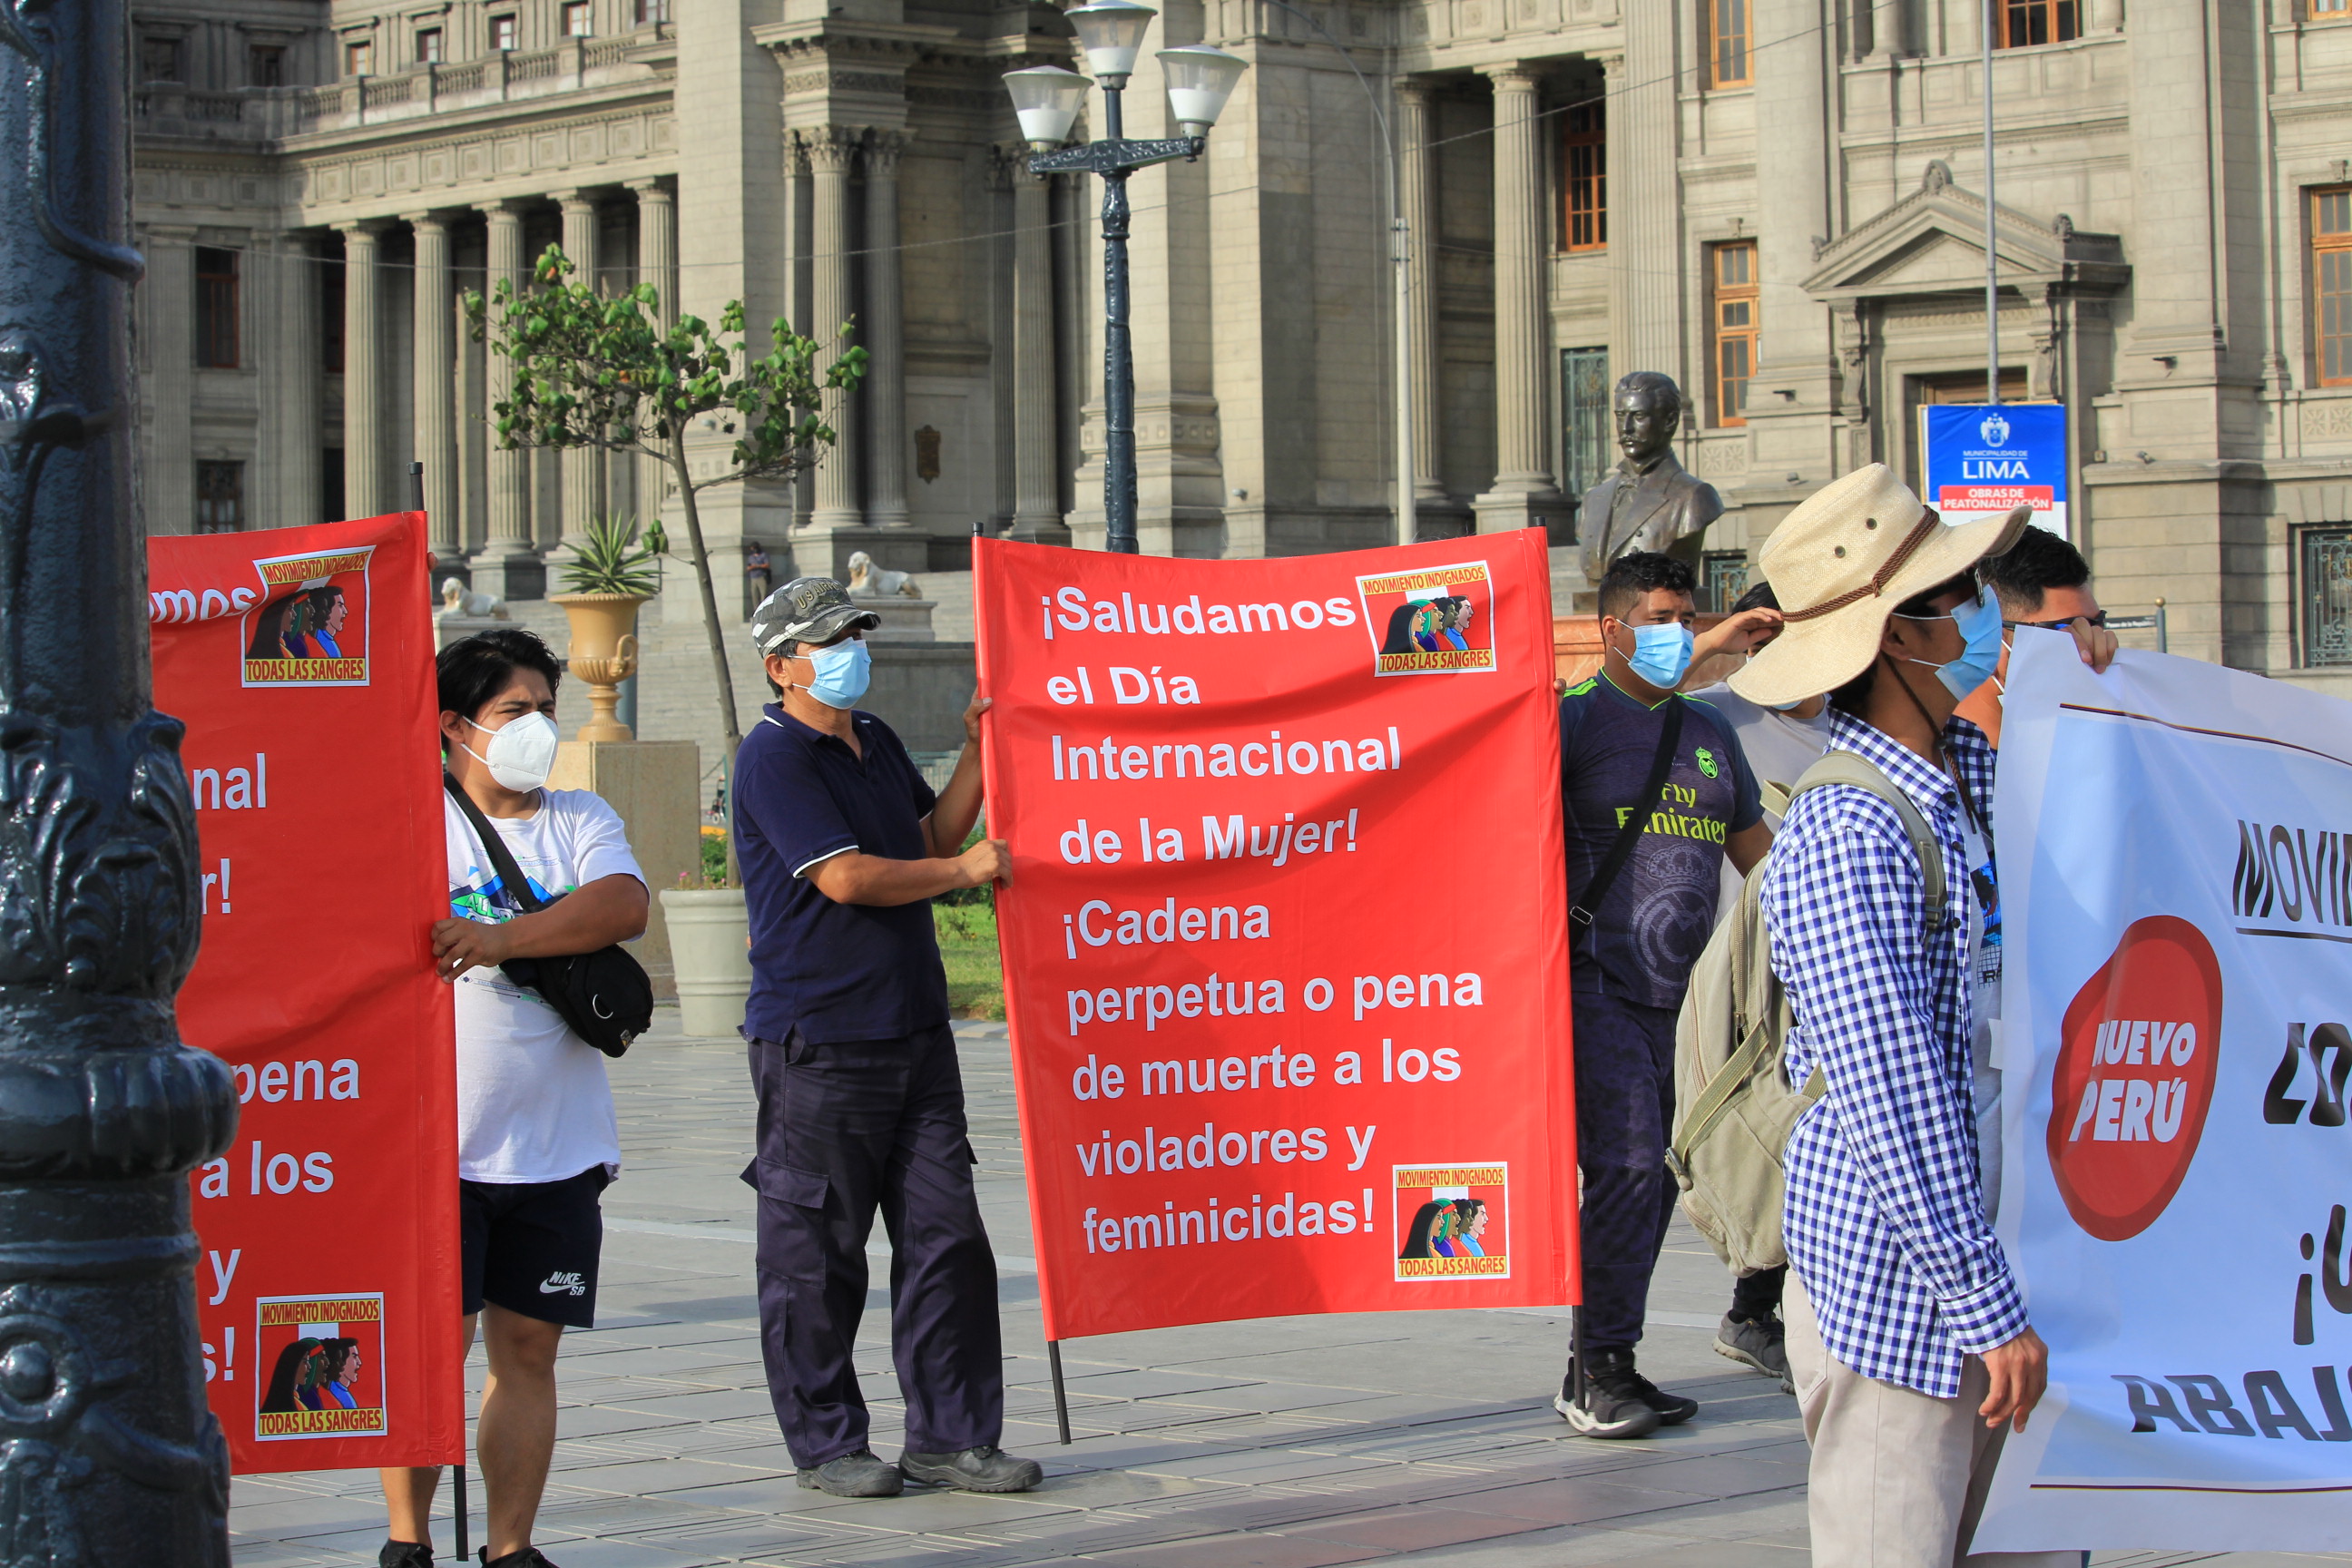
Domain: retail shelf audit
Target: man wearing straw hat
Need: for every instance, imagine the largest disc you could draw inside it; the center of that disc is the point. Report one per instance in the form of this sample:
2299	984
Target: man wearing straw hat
1906	1332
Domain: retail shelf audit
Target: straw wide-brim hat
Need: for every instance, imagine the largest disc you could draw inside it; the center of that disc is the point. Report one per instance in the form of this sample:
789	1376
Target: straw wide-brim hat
1840	564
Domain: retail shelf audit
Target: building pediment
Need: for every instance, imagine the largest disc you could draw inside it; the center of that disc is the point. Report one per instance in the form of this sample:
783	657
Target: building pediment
1932	242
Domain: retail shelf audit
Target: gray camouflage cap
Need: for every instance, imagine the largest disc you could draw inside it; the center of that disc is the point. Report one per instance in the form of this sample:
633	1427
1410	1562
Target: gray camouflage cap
808	609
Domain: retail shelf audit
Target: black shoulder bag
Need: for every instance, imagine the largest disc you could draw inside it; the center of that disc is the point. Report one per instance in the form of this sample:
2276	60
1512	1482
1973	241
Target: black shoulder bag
1583	910
603	995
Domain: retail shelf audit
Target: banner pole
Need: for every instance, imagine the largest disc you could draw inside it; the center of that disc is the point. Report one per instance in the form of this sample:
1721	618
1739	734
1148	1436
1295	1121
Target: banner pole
1576	1354
457	1499
1061	1399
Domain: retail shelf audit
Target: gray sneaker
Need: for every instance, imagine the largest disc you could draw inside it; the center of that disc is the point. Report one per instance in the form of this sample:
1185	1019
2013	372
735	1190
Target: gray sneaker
986	1468
1758	1343
860	1474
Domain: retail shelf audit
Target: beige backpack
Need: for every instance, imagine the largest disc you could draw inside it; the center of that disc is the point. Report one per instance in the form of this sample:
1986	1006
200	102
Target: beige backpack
1734	1106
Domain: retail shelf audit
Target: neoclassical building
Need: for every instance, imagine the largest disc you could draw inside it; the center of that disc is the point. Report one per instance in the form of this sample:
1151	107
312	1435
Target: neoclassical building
1780	202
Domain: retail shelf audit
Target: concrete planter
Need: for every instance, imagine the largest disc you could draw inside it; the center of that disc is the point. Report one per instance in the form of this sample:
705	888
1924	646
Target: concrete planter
708	932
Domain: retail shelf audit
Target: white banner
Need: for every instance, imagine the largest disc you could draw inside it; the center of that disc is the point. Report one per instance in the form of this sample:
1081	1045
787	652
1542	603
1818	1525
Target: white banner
2175	848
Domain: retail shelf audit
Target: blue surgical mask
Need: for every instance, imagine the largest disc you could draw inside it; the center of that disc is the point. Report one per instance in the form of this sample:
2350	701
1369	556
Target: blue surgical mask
1978	621
1662	654
842	672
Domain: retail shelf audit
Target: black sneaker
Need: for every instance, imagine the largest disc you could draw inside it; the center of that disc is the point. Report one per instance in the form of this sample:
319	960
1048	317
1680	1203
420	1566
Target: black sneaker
981	1469
527	1557
404	1554
1612	1405
1673	1408
860	1474
1760	1344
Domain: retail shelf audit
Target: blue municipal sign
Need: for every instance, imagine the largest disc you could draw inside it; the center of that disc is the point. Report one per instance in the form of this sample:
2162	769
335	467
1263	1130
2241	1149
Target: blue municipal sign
1983	459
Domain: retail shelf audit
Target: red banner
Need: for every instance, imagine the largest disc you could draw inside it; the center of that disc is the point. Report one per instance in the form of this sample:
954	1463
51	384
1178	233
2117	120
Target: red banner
301	660
1285	943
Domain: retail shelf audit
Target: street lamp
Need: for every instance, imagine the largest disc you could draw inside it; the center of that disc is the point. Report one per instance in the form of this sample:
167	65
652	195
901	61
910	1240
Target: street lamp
112	1455
1048	100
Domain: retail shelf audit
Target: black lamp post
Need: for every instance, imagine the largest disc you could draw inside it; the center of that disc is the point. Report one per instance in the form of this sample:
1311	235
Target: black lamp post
107	1454
1047	99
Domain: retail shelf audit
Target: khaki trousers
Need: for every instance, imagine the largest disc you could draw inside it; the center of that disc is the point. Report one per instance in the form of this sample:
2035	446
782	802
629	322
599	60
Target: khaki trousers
1898	1478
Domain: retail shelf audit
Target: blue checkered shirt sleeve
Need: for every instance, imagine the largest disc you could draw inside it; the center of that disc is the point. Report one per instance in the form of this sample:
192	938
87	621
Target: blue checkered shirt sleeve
1885	1220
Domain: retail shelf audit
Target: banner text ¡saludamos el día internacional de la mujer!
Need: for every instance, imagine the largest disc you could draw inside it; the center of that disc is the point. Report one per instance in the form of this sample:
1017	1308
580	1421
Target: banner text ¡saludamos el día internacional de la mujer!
1285	944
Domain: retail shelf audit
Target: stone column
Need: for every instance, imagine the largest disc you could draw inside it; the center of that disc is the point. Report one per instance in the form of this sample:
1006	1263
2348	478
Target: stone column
363	464
1006	168
508	567
170	297
287	348
432	385
1420	212
830	149
1645	205
1890	33
1791	397
584	467
799	219
886	342
1523	492
1078	367
656	265
1036	502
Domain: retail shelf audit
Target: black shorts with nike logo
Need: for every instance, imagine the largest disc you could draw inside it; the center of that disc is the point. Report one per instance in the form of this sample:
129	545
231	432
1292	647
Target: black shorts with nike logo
532	1247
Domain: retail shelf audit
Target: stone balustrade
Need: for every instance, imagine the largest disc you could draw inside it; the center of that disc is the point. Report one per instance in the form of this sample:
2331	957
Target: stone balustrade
263	114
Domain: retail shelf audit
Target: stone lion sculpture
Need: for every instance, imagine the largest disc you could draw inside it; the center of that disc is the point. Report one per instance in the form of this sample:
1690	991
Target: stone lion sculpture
458	600
868	581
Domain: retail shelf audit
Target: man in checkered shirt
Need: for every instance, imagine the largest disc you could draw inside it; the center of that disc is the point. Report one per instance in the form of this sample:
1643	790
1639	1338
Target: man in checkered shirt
1907	1335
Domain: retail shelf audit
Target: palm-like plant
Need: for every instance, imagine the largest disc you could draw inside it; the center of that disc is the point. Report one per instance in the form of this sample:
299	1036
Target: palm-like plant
604	372
611	560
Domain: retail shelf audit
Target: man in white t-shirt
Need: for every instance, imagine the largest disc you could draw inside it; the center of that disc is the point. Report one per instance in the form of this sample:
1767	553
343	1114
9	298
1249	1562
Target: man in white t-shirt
536	1137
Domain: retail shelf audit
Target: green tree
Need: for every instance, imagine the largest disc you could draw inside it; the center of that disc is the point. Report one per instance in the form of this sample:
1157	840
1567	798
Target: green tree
600	371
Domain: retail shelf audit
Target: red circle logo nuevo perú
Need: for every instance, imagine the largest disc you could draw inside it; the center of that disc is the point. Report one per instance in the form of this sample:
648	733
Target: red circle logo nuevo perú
2135	1077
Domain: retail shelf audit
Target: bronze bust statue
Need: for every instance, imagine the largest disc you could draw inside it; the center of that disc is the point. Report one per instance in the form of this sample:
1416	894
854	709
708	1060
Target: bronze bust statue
1649	502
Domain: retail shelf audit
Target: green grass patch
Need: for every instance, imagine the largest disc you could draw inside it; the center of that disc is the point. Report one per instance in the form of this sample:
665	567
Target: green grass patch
968	947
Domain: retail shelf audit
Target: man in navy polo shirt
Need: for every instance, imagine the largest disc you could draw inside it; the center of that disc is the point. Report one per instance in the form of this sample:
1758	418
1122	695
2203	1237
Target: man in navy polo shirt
842	846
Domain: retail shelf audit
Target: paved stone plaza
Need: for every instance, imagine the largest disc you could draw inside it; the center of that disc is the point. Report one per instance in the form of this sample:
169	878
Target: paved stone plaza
1292	1443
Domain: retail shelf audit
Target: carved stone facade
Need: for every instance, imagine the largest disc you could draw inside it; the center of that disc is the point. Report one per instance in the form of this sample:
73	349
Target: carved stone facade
833	162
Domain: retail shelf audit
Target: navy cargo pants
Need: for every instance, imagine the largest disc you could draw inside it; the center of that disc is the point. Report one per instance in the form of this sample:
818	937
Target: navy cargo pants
1624	1114
844	1129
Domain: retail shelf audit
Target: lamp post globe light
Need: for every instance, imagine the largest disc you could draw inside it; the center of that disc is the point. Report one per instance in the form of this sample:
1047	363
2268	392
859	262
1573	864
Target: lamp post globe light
1048	100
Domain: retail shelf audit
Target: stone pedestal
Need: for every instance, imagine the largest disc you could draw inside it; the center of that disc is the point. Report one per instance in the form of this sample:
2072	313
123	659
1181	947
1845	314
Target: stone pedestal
820	550
655	786
448	627
903	620
920	690
1498	513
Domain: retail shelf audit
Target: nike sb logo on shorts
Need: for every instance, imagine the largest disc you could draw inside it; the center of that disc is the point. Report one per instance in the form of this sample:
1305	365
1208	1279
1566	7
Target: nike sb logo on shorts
562	1282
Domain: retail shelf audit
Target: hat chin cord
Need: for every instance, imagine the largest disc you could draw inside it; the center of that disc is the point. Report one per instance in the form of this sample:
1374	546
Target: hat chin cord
1934	731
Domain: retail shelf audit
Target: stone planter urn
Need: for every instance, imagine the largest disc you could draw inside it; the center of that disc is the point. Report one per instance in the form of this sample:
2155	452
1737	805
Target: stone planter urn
604	653
710	935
